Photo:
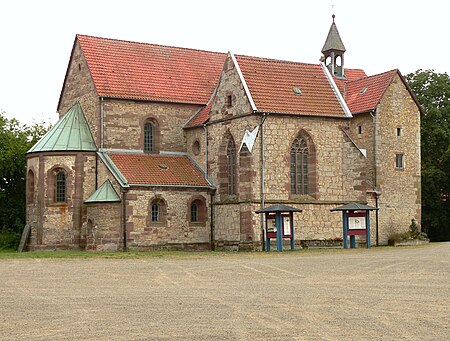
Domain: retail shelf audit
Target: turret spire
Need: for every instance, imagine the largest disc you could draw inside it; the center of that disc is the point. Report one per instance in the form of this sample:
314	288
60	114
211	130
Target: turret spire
333	51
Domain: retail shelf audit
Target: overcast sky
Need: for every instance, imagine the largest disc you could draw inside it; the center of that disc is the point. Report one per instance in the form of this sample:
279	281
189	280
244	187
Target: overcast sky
36	37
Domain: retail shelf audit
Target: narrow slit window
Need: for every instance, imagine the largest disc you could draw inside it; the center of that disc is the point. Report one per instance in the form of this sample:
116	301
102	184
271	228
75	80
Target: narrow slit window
360	130
399	161
399	131
194	212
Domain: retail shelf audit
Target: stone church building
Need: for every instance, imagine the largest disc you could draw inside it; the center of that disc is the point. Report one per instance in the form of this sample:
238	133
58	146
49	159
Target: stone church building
161	147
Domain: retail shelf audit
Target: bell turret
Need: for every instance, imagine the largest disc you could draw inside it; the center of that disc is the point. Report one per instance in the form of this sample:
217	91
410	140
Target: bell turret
333	51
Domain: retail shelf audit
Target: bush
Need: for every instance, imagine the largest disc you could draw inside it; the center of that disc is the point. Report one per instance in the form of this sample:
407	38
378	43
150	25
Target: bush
9	240
413	233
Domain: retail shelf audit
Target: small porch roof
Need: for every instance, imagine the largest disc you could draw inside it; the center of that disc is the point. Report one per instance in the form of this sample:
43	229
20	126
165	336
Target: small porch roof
354	206
278	208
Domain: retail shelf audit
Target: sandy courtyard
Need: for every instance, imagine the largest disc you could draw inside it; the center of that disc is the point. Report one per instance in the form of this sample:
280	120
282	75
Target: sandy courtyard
376	294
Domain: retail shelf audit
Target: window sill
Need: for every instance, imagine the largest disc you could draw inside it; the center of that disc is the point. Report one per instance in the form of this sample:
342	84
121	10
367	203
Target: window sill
197	223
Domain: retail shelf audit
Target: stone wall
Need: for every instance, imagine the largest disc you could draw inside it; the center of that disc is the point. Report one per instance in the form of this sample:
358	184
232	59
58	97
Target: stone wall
79	86
400	199
58	225
124	123
175	230
195	137
103	229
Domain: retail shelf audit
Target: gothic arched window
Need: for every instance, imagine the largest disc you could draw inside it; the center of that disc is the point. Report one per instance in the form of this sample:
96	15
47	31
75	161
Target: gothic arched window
231	167
299	167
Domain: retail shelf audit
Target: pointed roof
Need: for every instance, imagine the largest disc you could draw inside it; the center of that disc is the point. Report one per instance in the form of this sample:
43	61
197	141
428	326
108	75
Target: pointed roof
334	41
70	133
105	193
131	70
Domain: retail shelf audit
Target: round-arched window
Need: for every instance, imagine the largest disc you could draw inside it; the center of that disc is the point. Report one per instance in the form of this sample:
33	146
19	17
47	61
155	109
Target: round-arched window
196	147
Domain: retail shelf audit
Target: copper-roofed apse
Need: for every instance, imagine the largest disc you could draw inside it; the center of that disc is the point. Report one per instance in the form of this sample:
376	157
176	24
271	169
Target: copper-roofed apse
71	133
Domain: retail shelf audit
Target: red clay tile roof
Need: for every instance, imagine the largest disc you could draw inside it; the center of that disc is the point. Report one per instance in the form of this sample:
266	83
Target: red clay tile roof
375	87
123	69
156	169
271	84
201	116
354	74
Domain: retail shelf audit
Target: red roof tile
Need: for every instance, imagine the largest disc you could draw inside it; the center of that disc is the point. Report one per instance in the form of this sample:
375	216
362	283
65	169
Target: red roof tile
202	115
156	169
123	69
360	100
271	84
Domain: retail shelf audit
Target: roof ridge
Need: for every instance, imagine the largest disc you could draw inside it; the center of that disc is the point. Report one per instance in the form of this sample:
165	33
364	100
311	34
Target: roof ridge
281	61
149	44
371	76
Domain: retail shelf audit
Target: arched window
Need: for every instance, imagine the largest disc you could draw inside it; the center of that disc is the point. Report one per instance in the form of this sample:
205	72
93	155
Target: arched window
30	187
231	167
60	186
149	137
299	167
155	212
197	210
194	212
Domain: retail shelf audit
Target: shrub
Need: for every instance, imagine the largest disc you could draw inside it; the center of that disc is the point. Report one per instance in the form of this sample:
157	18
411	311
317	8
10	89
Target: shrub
9	240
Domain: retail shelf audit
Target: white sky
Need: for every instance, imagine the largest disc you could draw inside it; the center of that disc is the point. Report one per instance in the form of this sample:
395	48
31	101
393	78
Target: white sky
36	37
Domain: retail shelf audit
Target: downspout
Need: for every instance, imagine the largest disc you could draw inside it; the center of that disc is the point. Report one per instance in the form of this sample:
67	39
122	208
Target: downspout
211	223
212	234
377	194
102	119
124	215
263	119
206	149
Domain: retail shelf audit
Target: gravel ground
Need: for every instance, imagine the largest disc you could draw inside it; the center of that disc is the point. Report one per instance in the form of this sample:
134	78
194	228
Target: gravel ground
376	294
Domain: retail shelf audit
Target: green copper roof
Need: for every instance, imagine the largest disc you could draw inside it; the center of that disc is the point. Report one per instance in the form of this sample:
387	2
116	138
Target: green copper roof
334	41
70	133
105	193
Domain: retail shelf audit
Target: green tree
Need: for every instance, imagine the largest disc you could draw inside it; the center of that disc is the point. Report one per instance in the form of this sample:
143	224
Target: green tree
15	140
433	92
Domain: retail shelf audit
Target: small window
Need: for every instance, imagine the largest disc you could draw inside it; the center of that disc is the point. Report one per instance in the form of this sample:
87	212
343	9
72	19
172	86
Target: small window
79	66
399	161
155	212
60	195
360	130
229	100
196	148
363	90
399	131
194	212
30	187
149	137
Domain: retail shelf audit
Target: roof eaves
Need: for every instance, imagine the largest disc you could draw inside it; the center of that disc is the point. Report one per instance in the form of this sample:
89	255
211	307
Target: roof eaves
113	169
336	90
149	99
211	185
411	92
244	83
